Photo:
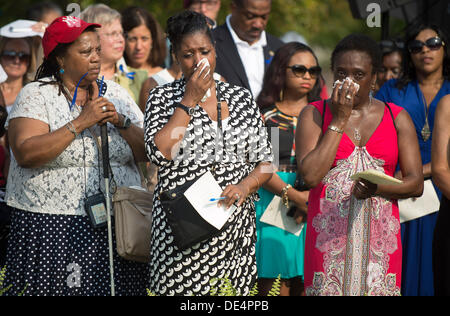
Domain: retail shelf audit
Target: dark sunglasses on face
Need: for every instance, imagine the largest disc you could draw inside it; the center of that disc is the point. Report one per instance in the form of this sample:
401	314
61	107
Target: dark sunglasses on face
300	71
10	55
433	43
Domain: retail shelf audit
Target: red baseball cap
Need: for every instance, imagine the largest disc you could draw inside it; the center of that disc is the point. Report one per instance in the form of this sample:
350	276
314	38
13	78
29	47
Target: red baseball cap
65	29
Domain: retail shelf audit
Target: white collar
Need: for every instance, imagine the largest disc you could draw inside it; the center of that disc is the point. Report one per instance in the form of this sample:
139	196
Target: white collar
260	43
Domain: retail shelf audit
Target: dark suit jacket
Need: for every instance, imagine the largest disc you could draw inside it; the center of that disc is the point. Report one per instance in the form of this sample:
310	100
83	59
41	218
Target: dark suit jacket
229	63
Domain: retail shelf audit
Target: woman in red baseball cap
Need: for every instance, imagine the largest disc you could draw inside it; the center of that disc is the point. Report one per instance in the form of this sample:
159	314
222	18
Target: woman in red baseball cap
54	248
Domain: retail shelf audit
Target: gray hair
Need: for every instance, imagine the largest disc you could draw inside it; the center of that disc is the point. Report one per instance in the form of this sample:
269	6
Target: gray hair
100	13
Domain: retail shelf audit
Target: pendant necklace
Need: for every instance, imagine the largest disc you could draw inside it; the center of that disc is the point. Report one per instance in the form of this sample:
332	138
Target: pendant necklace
426	131
356	134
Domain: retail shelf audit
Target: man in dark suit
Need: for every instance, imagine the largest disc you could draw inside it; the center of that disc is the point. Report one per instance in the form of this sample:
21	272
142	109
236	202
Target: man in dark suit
244	50
209	8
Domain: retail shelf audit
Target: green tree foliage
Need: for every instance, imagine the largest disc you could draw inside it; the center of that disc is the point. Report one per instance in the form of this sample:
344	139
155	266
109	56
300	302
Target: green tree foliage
323	23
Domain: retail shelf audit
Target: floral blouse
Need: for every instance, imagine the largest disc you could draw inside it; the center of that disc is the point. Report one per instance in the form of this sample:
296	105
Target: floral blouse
61	185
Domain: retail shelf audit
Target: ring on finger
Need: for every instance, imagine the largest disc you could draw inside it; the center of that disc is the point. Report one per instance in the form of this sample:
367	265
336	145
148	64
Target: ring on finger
237	196
104	108
348	97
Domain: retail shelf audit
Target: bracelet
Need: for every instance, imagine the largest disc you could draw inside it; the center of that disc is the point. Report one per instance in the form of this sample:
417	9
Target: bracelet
71	128
284	196
335	129
257	181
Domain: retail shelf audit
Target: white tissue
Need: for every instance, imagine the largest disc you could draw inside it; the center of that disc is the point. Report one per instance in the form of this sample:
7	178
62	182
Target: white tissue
342	83
205	64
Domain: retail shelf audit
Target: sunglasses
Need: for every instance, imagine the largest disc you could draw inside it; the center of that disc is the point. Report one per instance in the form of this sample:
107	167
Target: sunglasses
433	43
10	56
300	71
391	44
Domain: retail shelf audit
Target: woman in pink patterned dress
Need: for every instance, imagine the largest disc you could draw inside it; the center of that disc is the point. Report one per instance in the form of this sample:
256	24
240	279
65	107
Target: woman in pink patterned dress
353	239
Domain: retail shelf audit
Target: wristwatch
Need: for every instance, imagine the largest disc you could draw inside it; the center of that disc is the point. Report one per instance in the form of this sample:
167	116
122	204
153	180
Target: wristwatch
189	110
126	122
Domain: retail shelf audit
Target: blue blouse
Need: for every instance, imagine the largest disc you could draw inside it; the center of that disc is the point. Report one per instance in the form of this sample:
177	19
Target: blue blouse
412	100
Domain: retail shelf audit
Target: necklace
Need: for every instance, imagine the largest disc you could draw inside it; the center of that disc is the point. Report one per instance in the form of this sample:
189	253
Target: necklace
356	134
426	131
71	100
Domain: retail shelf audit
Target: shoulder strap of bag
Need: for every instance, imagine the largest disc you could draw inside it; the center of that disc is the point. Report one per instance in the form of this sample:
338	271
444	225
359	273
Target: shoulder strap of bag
392	114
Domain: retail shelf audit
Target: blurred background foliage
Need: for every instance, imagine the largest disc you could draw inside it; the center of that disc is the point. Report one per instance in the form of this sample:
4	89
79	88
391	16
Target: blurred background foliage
322	23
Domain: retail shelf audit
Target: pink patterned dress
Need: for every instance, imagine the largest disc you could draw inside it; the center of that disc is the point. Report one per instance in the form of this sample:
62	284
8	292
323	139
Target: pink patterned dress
353	247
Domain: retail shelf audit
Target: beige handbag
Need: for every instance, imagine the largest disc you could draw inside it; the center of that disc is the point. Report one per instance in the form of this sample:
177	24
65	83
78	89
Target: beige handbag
133	219
133	223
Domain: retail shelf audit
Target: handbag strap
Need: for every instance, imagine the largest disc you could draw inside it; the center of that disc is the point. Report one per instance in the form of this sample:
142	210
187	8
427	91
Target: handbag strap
219	131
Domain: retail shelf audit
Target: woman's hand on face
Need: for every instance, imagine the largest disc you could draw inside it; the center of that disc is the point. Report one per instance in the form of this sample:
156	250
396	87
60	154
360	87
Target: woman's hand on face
342	99
198	84
98	111
234	194
364	189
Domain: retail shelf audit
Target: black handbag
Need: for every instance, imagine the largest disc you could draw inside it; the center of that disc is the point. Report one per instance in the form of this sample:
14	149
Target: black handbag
188	227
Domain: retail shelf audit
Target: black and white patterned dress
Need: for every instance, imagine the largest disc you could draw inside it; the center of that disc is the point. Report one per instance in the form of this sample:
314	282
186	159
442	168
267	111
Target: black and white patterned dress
231	253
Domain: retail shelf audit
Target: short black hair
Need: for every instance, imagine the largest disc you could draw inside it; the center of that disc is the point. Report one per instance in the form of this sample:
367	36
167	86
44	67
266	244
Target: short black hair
390	46
360	43
186	23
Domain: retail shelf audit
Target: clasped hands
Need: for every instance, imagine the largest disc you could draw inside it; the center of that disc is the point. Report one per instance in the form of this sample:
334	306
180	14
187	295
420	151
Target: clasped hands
99	111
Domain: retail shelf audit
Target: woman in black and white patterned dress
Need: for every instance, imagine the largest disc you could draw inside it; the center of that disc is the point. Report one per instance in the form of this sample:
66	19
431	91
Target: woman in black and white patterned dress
180	137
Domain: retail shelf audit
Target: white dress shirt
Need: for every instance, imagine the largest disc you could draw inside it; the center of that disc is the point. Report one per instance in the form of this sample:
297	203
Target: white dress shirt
252	57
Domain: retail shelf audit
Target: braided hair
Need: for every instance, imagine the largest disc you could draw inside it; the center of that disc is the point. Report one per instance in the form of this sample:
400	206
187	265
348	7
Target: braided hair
186	23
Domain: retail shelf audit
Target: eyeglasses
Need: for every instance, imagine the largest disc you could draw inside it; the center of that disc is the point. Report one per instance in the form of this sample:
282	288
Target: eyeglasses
115	34
10	55
210	4
300	71
433	43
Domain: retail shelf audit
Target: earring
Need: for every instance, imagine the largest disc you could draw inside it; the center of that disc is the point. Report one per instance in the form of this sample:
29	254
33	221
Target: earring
281	95
61	71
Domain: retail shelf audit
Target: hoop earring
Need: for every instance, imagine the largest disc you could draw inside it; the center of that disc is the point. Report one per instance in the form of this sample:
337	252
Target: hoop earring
281	95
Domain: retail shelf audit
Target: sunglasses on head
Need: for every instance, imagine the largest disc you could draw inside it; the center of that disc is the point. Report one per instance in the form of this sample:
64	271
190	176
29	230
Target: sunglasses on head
433	43
300	71
10	55
391	44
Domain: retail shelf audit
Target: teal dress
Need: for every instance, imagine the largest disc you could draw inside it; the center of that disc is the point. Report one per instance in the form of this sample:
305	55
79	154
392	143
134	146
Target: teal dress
279	252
